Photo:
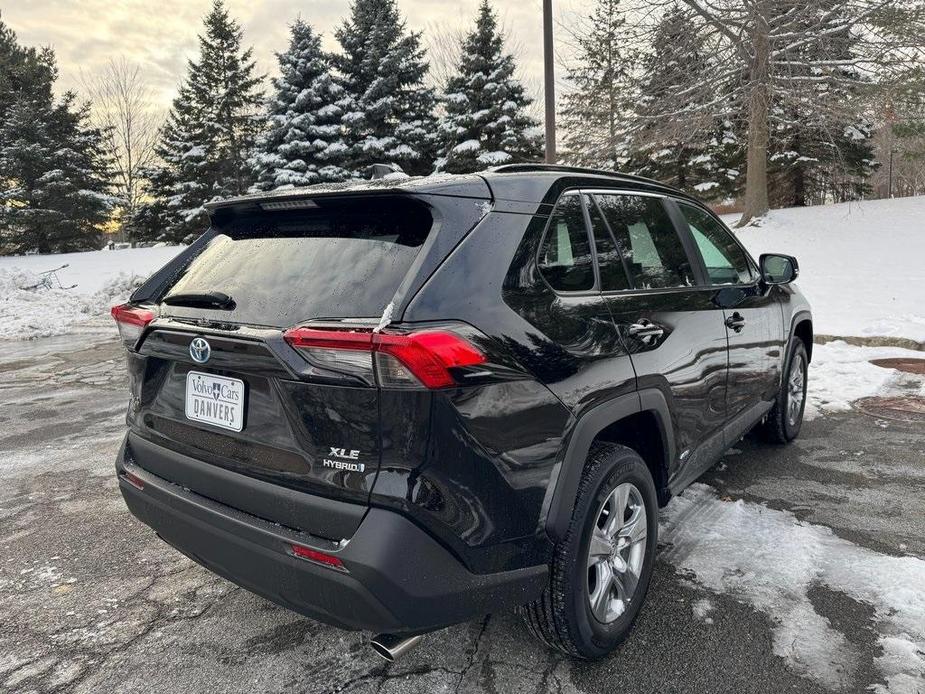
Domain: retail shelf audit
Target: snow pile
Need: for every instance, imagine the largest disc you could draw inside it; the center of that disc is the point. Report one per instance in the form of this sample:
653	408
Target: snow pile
25	313
771	560
841	373
860	263
103	278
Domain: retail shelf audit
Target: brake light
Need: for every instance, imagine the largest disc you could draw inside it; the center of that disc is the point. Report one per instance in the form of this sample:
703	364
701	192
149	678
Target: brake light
422	358
317	557
131	321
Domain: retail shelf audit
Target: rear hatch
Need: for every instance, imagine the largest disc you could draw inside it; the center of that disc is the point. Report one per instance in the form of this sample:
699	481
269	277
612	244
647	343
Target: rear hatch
236	373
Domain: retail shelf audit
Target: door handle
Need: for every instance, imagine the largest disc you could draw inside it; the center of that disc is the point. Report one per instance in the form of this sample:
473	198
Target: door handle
646	331
735	322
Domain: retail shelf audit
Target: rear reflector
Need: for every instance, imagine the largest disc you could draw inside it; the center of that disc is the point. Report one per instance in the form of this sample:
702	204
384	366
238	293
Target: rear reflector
314	555
133	480
131	321
420	358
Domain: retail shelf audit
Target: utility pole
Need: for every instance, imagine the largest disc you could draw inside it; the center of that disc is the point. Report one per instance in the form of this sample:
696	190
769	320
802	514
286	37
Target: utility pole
889	189
549	84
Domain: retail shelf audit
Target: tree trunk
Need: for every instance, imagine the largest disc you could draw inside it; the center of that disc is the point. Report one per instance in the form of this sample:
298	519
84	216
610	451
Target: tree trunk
756	167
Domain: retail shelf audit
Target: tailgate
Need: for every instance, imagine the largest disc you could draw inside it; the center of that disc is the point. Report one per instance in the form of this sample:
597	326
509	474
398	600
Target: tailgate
314	438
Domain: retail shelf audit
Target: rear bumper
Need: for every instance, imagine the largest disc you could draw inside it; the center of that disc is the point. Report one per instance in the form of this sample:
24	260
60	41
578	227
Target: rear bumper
398	579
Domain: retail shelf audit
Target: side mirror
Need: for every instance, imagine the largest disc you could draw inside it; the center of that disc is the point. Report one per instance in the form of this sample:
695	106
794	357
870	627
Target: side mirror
778	269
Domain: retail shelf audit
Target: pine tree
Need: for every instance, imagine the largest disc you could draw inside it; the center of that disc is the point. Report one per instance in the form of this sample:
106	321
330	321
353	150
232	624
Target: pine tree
700	154
210	131
54	198
53	178
486	123
382	69
821	144
303	143
25	73
593	113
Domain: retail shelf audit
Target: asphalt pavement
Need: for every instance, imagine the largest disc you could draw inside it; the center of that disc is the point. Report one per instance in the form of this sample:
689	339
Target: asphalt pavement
92	601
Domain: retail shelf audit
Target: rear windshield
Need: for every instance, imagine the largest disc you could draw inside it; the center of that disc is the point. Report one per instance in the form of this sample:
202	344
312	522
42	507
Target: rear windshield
281	268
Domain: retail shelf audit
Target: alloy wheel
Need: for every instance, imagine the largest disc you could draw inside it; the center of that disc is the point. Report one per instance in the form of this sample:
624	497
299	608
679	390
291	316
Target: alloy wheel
796	392
616	552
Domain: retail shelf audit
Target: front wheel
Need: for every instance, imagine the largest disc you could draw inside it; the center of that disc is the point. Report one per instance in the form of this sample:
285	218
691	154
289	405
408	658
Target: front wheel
601	569
785	419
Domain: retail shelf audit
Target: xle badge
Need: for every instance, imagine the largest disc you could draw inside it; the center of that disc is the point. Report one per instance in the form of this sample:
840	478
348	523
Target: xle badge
342	459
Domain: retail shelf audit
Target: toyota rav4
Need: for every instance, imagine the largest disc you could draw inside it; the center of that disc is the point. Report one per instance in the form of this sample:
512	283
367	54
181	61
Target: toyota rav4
398	405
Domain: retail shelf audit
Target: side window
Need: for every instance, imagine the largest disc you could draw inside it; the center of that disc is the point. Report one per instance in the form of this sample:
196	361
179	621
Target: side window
609	255
653	250
565	255
725	260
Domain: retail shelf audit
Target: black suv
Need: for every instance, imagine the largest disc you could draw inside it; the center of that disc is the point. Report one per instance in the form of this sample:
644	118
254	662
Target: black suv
397	405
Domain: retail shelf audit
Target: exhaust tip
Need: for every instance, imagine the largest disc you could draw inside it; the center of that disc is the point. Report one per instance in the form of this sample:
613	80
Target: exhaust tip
390	647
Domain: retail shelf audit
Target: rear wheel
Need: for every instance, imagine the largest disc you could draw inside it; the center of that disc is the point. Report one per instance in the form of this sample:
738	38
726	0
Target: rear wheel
601	569
785	419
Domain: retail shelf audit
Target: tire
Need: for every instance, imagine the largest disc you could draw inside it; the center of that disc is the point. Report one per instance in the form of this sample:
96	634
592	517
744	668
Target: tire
563	617
782	424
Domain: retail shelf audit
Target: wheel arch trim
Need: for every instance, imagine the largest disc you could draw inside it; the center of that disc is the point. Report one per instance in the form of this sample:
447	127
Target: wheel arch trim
563	486
803	316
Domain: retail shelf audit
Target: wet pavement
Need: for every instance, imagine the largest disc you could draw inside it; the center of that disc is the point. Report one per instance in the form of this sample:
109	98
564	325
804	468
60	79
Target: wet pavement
92	601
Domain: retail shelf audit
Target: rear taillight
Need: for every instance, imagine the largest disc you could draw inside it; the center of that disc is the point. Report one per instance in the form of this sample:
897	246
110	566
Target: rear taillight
399	360
131	321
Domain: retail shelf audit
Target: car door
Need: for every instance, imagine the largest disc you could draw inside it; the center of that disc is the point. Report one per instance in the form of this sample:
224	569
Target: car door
576	351
669	324
752	318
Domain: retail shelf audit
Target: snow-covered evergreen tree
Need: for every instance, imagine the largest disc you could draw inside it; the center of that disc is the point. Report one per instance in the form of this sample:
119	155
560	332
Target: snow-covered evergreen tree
25	73
53	197
303	143
593	112
701	153
485	121
382	69
210	131
53	177
821	143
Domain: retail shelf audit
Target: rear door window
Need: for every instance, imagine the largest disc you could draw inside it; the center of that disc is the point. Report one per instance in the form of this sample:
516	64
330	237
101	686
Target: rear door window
609	255
343	260
654	253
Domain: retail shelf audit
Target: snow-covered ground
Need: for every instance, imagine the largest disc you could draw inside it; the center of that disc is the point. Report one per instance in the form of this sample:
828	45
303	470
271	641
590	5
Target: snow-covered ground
841	373
102	278
862	264
771	560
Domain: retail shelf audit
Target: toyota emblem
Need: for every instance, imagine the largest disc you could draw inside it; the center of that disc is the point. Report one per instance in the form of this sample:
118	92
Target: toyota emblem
199	350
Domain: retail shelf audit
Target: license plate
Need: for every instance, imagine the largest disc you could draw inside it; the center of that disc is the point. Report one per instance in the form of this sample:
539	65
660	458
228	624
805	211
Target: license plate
215	400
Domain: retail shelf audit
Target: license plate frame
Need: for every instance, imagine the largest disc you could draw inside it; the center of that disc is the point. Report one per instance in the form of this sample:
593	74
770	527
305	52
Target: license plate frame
215	400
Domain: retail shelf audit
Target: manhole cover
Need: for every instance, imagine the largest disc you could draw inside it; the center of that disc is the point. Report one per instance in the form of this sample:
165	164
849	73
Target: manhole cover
909	365
903	409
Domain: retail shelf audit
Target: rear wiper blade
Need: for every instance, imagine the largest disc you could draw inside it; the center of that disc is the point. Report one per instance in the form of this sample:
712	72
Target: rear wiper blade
217	300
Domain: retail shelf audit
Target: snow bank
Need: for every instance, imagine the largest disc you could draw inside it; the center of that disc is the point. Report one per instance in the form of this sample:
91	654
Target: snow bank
92	270
841	373
102	278
861	263
771	560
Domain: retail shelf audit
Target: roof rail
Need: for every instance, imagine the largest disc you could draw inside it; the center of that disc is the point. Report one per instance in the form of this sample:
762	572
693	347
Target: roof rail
526	168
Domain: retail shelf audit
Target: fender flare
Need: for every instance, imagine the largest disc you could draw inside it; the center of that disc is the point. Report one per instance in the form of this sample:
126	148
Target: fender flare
800	317
563	486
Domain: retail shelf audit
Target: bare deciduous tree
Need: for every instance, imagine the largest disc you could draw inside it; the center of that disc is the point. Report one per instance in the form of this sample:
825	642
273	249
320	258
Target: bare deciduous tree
123	109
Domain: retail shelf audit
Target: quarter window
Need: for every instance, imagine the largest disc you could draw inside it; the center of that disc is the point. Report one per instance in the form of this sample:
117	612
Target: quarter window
565	256
652	249
725	260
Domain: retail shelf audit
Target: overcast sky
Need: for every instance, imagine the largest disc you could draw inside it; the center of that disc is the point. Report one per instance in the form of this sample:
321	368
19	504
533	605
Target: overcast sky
160	35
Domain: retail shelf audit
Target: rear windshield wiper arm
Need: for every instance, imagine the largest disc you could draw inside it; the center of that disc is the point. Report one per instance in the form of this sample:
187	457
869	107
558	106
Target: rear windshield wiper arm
217	300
